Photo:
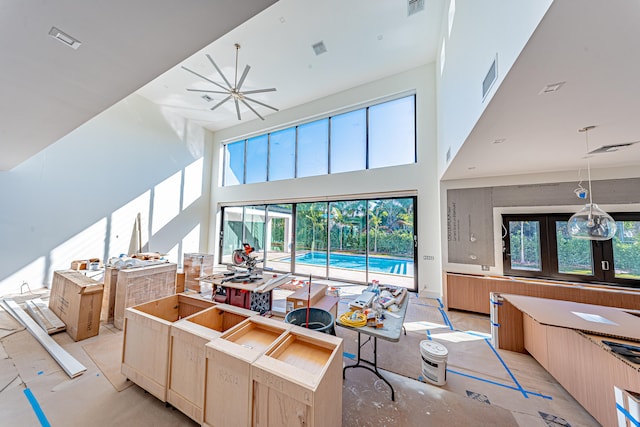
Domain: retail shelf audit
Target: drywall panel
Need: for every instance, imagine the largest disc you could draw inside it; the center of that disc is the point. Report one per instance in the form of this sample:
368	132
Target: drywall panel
476	34
79	197
419	178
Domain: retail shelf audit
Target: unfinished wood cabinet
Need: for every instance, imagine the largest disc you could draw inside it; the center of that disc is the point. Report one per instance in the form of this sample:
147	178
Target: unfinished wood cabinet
471	293
186	381
139	285
298	381
228	393
147	328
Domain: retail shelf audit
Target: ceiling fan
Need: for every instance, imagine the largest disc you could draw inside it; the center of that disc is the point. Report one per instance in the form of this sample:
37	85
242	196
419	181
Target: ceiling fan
233	92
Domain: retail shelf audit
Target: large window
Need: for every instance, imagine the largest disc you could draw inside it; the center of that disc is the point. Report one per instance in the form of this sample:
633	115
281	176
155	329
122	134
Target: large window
540	246
353	240
377	136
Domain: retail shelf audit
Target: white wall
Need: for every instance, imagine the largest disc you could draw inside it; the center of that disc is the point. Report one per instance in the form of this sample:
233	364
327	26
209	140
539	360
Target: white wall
420	178
480	30
79	197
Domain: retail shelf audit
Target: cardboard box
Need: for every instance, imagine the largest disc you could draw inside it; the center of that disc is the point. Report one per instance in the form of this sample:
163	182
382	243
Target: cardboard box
298	299
77	300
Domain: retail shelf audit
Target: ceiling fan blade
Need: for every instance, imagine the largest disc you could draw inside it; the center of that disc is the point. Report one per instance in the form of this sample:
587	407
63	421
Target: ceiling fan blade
219	71
220	103
260	103
209	91
252	109
244	76
203	77
237	108
271	89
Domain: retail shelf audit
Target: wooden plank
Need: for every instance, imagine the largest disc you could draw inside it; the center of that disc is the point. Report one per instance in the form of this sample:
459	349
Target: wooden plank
109	294
46	318
68	363
139	285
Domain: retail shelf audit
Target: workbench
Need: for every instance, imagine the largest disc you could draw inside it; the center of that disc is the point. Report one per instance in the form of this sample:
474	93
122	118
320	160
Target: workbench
391	331
254	295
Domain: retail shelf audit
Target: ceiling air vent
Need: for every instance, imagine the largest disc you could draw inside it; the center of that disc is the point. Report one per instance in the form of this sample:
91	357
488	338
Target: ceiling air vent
490	78
319	48
65	38
415	6
612	147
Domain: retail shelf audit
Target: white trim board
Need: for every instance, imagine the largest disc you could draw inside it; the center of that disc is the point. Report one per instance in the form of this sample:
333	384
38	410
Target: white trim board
68	363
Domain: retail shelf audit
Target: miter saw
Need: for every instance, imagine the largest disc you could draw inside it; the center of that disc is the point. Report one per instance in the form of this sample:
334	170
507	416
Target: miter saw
246	259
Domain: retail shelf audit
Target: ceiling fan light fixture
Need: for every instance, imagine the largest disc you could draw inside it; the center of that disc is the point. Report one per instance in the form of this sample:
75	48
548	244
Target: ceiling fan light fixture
233	91
591	222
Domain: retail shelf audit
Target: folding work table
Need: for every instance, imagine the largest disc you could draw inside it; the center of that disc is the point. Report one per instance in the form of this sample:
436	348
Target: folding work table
392	330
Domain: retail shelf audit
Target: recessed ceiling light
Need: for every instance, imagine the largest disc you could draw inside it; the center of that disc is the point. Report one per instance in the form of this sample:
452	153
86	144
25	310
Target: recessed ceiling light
319	48
499	141
282	20
380	36
553	87
65	38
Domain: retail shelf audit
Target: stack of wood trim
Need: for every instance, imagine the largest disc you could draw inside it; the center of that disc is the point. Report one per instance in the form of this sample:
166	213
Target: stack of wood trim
44	317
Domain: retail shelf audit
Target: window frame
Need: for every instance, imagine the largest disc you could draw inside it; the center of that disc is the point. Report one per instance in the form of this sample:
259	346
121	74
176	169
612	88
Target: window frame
600	250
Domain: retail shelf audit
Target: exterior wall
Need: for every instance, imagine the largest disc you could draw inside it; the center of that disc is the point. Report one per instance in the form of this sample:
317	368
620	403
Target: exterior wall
419	178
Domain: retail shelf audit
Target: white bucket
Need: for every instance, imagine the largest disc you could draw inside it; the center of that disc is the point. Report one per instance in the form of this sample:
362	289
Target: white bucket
434	362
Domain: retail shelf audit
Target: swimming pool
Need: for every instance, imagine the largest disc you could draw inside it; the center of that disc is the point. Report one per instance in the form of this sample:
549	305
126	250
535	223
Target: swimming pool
402	266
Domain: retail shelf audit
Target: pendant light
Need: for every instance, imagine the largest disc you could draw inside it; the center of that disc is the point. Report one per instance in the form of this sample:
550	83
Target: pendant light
591	222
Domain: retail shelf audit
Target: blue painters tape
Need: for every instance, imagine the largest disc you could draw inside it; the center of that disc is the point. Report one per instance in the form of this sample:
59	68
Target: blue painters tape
36	408
40	372
497	325
446	318
626	413
522	390
496	302
476	334
349	355
440	302
510	387
428	335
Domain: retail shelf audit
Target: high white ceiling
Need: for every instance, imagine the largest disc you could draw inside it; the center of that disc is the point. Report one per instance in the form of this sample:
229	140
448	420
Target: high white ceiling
364	40
49	89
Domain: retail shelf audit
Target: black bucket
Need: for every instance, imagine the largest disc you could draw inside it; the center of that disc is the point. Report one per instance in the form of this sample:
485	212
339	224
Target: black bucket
319	320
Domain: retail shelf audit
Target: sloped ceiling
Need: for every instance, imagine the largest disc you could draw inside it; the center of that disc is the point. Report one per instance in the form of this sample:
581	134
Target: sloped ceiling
48	89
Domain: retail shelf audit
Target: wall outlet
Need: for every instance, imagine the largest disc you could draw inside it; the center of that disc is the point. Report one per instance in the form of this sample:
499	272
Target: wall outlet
485	268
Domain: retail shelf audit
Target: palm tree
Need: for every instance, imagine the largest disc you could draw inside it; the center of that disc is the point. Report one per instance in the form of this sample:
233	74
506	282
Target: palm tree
377	215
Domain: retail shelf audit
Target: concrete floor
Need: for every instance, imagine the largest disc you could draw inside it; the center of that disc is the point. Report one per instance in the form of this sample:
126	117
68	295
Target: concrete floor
484	388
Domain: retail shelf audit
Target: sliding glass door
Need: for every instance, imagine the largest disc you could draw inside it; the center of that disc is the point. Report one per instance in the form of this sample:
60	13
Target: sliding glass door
349	240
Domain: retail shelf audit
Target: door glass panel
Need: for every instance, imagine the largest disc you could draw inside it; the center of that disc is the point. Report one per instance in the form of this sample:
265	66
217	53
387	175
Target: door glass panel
232	229
254	225
626	250
574	255
348	240
391	242
524	238
311	239
279	237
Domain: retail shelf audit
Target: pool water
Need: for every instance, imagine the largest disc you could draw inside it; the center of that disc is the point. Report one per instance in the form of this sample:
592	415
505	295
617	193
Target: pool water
401	266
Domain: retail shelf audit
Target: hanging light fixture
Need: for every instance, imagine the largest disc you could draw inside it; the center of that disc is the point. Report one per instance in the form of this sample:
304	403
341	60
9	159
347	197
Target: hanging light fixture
591	222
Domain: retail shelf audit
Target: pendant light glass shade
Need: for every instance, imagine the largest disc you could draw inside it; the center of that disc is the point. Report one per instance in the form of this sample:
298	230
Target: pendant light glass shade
592	223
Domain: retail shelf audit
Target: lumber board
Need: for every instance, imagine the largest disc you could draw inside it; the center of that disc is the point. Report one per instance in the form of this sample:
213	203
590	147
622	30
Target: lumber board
46	318
68	363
